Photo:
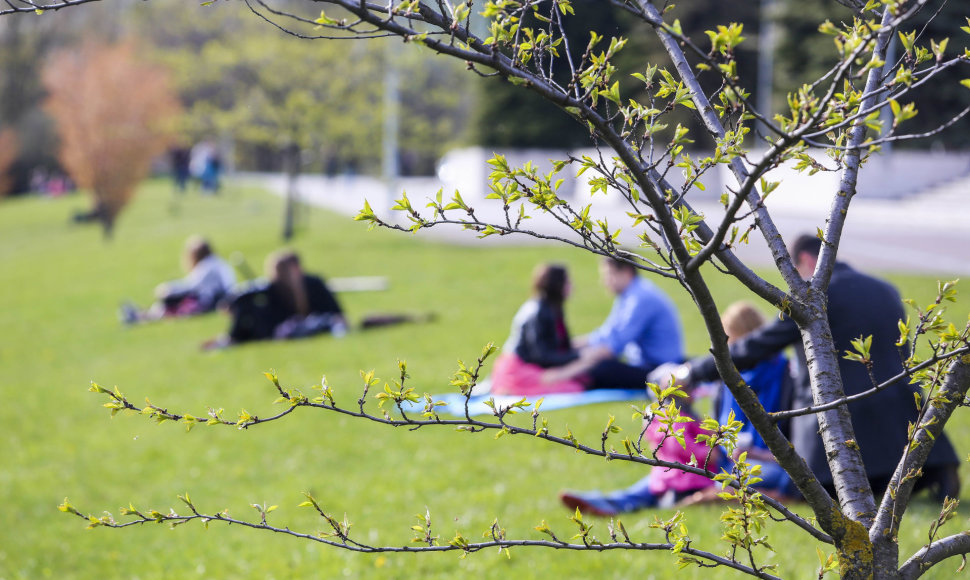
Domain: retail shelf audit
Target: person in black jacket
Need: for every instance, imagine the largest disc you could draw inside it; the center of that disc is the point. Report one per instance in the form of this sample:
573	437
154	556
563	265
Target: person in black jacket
539	339
300	304
858	305
289	304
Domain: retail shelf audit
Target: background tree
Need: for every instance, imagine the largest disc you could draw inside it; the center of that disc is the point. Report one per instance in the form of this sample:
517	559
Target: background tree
8	152
836	113
254	89
25	45
273	109
509	117
114	115
235	80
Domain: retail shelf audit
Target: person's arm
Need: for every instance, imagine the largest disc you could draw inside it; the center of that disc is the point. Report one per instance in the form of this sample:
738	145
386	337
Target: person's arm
202	279
177	287
227	276
750	350
588	357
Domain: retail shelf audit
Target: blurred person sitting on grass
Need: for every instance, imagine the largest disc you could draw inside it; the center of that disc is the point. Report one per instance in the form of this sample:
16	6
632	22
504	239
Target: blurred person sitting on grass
859	305
539	340
771	381
288	304
209	279
663	486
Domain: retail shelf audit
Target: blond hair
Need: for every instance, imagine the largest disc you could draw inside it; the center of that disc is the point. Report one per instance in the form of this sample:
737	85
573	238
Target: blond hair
741	318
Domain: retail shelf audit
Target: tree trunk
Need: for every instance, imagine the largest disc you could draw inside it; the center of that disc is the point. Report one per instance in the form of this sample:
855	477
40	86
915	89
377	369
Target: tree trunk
107	228
855	551
106	218
291	155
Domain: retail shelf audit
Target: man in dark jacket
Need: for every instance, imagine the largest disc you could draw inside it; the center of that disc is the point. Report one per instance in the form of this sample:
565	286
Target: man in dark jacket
858	306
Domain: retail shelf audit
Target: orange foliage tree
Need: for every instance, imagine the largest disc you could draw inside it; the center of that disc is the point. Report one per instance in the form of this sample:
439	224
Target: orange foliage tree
113	113
8	153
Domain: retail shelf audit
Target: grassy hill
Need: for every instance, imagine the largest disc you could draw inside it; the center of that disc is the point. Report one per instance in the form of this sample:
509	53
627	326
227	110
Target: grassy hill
61	286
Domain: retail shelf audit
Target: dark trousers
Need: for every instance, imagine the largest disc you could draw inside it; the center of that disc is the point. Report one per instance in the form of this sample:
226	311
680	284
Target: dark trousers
613	374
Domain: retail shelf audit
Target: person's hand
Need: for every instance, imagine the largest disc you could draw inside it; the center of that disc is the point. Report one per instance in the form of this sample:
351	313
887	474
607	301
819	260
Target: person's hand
670	373
553	375
590	355
563	373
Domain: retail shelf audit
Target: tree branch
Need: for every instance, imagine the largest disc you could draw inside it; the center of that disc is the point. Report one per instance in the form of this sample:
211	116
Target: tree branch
928	556
32	6
907	373
929	429
431	544
707	115
295	399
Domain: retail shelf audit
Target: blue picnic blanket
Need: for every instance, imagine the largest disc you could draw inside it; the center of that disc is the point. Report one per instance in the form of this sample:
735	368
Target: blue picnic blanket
455	402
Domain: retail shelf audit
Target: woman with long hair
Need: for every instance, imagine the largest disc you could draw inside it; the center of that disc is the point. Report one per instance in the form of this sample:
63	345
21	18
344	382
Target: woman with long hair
539	339
301	304
288	304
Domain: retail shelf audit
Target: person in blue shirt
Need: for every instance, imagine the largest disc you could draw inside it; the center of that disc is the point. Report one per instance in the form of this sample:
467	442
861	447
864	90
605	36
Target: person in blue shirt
641	333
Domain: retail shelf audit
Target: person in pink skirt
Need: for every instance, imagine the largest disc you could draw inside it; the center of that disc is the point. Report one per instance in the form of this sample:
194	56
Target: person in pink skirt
539	340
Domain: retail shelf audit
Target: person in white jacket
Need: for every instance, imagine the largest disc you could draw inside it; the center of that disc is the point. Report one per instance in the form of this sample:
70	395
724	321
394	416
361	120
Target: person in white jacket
209	279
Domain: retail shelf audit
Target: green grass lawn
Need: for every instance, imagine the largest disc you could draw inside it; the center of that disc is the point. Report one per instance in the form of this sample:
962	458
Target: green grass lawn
61	286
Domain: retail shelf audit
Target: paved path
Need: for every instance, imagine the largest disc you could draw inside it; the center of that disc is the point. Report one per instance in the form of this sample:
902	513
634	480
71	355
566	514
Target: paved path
927	233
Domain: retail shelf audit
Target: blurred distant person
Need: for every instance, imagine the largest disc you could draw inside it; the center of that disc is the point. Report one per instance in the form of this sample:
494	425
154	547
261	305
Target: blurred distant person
211	171
38	180
288	304
197	157
539	340
209	280
205	164
180	157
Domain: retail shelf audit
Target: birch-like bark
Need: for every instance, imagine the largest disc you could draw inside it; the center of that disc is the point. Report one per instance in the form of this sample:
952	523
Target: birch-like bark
32	6
853	160
709	117
931	554
848	472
